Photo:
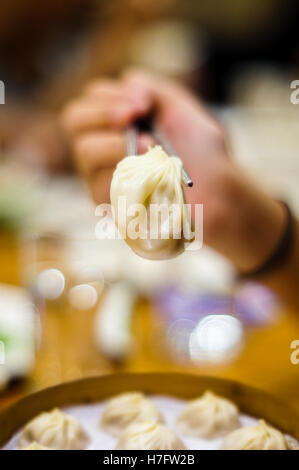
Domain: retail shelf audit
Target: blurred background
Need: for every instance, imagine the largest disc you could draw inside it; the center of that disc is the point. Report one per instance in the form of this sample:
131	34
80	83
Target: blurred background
72	305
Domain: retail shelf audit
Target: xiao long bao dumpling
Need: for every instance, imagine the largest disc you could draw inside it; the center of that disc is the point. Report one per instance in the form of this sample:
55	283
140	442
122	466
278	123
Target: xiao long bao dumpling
56	430
149	436
209	417
126	409
258	437
291	442
151	179
35	446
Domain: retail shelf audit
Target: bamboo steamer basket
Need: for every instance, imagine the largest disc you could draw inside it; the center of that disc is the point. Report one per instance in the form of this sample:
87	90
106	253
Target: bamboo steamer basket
250	401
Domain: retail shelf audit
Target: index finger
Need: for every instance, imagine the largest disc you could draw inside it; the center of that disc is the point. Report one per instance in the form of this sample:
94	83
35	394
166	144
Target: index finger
85	115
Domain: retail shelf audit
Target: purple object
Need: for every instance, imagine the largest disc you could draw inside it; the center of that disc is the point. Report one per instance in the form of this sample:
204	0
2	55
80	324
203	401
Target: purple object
256	305
176	304
253	304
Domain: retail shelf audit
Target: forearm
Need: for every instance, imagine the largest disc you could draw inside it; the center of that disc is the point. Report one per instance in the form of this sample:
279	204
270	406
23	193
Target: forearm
253	225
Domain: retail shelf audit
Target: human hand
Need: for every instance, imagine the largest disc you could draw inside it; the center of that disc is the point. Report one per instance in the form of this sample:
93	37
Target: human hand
240	221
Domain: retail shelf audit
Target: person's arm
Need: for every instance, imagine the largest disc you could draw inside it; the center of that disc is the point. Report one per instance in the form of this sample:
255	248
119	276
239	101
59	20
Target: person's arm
260	223
241	221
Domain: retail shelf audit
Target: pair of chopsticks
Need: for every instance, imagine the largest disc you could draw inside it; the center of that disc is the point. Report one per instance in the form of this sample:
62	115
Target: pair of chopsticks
146	124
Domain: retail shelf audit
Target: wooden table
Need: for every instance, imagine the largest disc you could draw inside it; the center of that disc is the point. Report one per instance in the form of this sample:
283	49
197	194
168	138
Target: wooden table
68	350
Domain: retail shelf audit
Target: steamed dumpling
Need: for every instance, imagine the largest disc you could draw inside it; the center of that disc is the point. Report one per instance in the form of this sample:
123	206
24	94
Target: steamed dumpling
291	442
56	430
149	436
151	178
35	446
209	416
258	437
126	409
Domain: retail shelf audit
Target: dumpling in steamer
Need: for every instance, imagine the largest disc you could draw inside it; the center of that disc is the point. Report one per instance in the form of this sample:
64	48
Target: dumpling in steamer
209	416
151	179
56	430
126	409
149	436
35	446
258	437
291	442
